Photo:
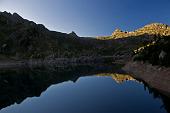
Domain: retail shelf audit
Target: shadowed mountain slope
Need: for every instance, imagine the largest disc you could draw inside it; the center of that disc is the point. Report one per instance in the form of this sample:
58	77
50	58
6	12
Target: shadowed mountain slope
21	38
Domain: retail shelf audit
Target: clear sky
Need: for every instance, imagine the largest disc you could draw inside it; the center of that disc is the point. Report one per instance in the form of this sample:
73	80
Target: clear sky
90	17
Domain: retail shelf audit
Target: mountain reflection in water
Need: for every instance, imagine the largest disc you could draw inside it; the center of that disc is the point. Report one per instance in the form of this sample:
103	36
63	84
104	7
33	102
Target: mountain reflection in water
18	84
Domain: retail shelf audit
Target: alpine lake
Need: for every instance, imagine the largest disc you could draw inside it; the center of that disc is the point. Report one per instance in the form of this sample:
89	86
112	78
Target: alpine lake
77	89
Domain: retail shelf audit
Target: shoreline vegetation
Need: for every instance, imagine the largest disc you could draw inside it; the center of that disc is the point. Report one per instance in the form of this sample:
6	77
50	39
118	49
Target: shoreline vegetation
25	43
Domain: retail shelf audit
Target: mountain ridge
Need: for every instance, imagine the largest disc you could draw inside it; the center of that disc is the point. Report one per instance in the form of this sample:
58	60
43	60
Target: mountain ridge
149	29
24	39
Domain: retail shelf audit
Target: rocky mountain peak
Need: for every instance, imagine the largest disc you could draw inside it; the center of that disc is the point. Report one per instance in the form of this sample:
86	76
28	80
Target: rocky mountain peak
118	33
17	16
150	29
11	18
118	30
152	25
73	34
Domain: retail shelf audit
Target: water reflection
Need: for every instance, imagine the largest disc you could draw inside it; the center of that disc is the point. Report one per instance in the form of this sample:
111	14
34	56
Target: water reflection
119	78
156	94
18	84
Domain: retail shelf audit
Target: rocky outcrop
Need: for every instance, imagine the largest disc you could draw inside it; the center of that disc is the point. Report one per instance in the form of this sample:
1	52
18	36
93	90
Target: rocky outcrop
119	33
149	30
73	34
162	55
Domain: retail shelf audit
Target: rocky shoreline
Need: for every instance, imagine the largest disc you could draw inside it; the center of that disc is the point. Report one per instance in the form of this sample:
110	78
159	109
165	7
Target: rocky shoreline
155	76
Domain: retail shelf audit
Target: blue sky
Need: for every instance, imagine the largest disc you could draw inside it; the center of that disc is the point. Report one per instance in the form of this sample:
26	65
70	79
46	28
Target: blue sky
91	17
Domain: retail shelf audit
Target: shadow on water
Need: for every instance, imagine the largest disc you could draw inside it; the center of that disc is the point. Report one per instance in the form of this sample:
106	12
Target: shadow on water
18	84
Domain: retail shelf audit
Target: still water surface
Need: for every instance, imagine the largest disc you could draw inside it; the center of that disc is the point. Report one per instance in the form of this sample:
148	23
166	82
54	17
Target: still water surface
75	90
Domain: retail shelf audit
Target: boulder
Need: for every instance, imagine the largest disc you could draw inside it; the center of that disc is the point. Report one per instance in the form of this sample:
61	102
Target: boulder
162	55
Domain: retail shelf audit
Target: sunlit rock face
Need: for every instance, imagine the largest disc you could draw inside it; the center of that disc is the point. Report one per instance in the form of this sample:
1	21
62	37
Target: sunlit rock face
148	31
119	33
155	28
